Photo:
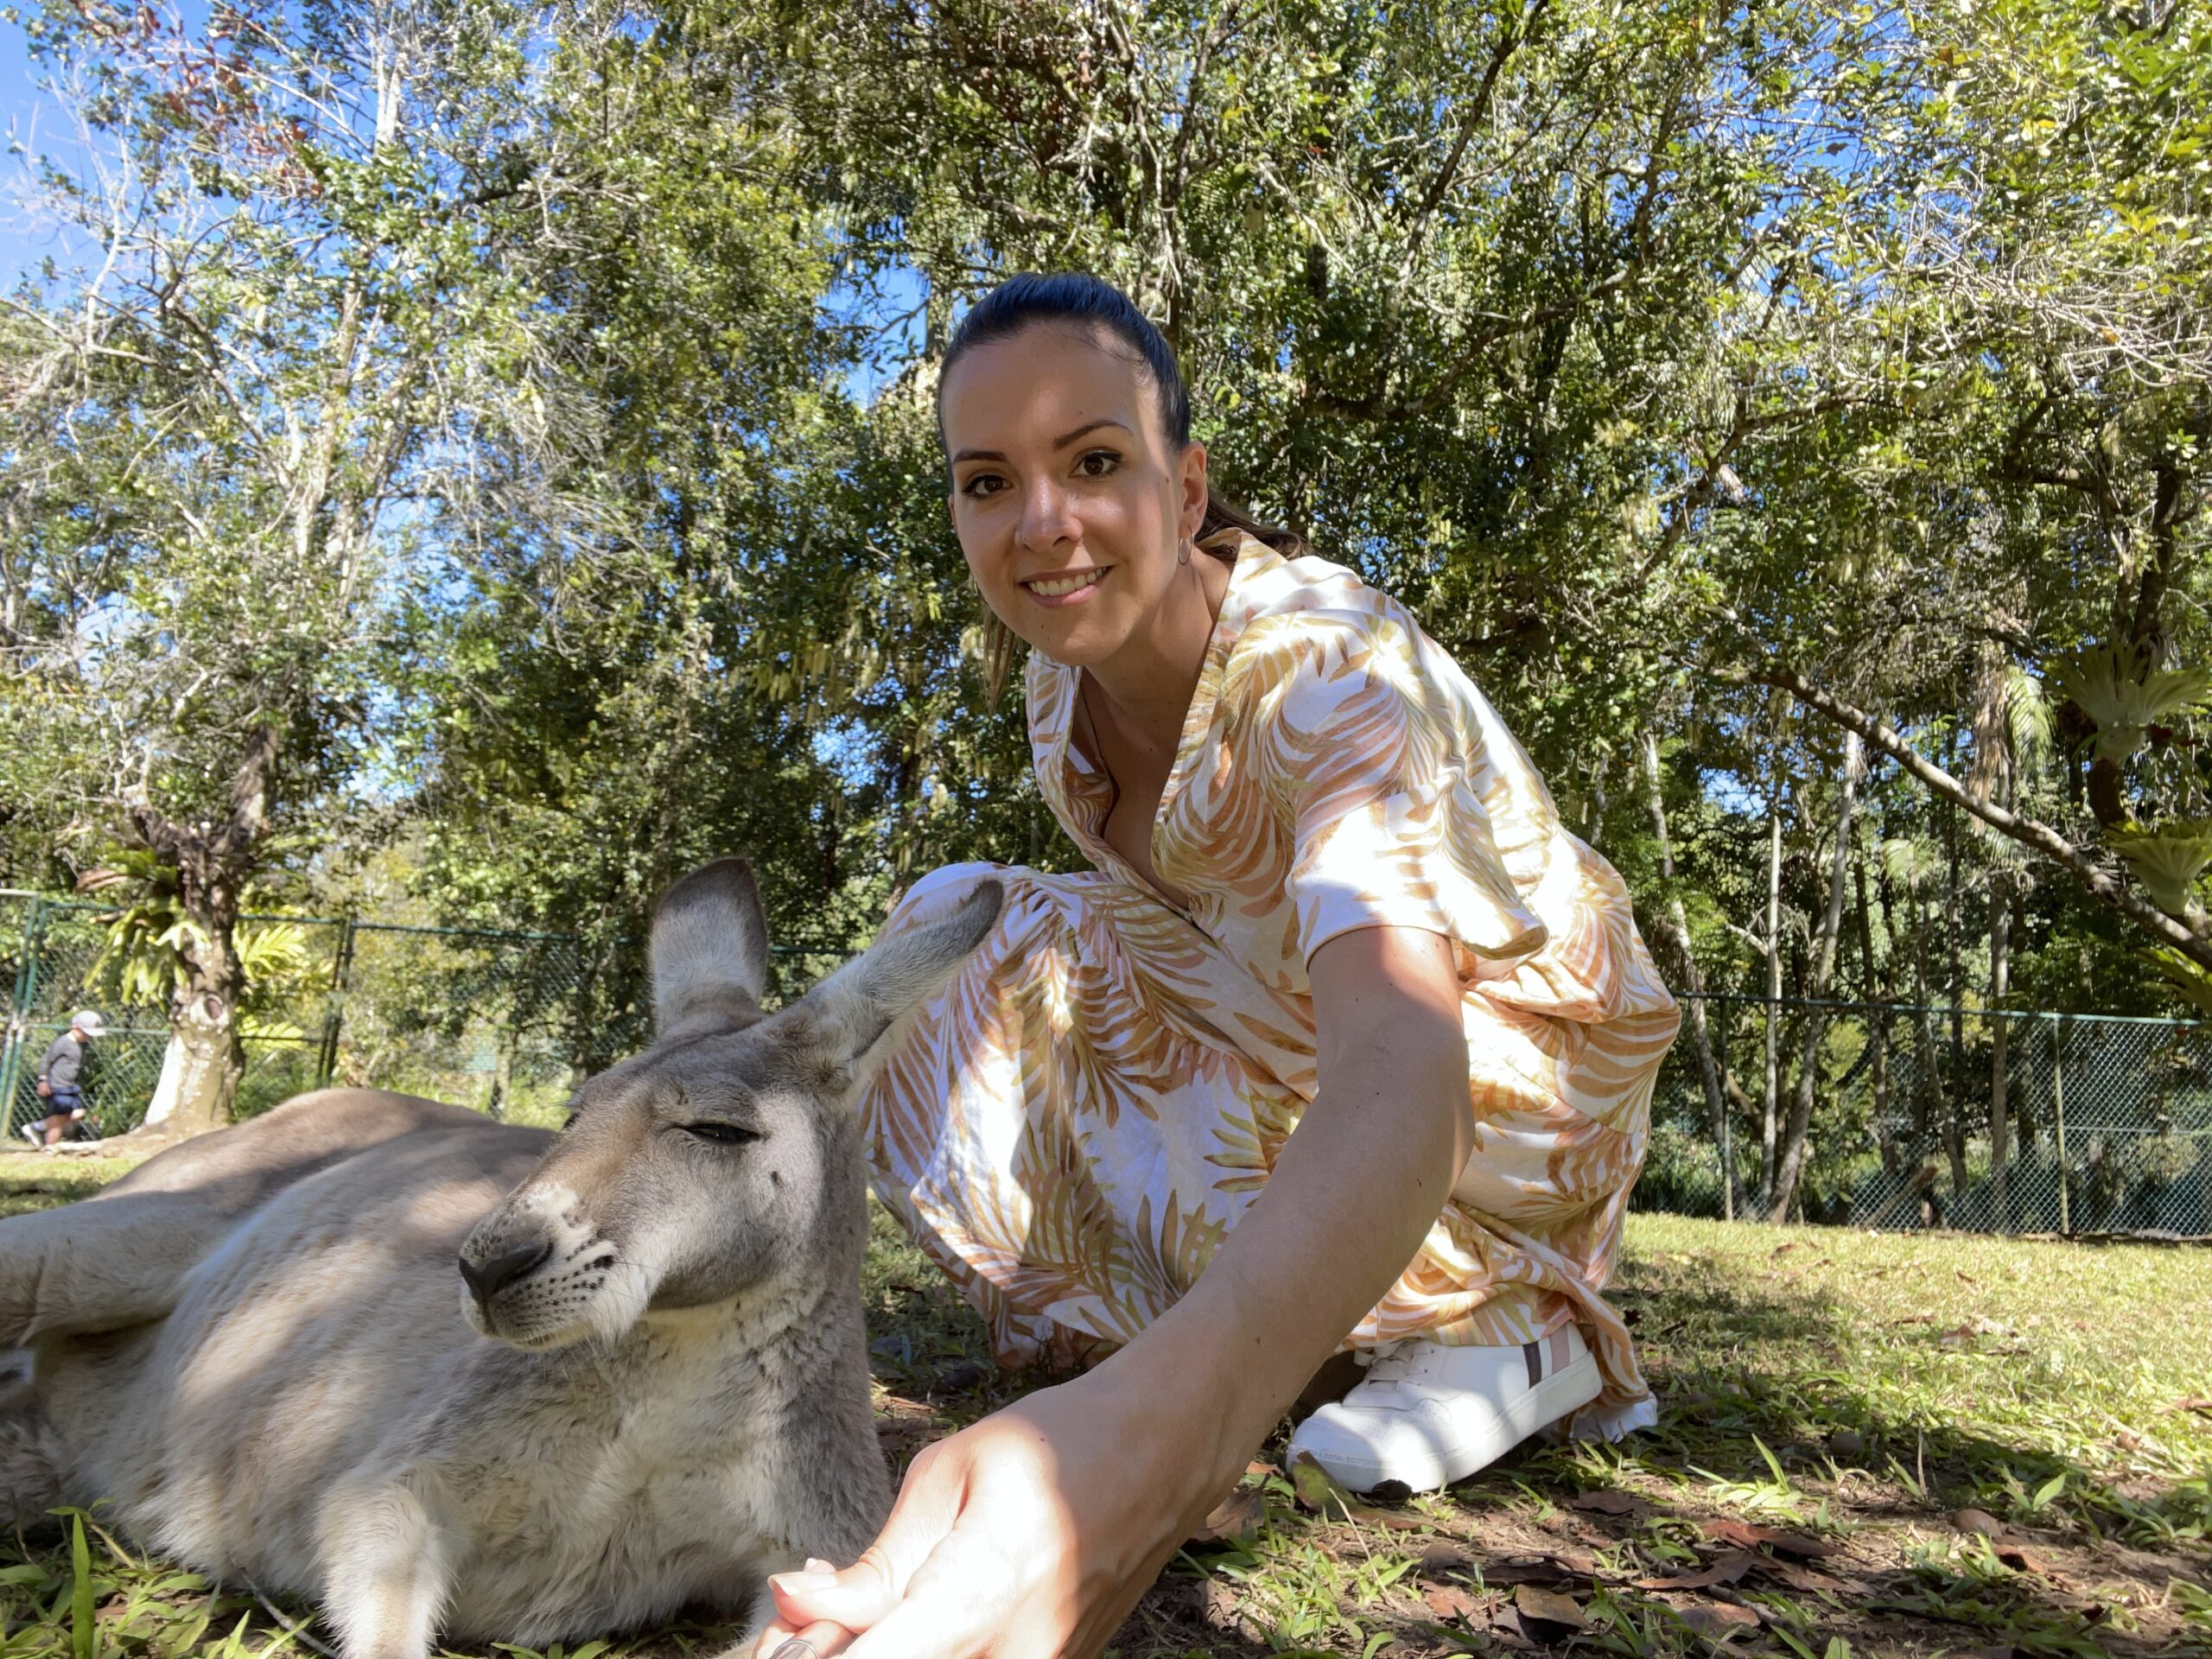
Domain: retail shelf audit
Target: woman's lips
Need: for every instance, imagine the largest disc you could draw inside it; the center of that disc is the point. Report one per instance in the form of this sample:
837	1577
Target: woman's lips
1070	587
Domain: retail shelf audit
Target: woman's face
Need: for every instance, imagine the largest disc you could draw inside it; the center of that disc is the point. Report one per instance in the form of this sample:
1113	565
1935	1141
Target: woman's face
1071	502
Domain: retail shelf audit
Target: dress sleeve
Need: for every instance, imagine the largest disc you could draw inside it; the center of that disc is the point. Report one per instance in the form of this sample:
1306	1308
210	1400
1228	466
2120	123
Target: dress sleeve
1380	786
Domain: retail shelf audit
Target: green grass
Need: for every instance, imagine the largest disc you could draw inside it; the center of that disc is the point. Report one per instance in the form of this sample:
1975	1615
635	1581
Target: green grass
1849	1393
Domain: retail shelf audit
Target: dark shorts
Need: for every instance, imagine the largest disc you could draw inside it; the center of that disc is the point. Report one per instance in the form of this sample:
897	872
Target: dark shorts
64	1102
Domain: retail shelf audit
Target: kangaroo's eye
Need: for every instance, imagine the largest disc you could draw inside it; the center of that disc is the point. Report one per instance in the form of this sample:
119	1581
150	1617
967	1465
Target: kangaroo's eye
722	1134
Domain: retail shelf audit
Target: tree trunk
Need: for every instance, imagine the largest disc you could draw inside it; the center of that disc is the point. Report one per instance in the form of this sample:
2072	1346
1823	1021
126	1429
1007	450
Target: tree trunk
2000	933
1770	1100
1877	1026
1954	1075
1926	1089
1677	933
1821	972
201	1068
206	1059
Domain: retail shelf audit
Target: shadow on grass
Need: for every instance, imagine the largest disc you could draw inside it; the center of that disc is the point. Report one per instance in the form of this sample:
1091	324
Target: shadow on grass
1768	1414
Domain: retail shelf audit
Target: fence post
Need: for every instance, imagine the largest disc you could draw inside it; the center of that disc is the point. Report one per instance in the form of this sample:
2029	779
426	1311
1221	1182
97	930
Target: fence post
333	1018
1727	1169
2058	1115
12	1063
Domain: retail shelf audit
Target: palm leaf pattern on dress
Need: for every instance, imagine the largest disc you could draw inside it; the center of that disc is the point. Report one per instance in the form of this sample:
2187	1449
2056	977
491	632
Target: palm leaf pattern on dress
1087	1110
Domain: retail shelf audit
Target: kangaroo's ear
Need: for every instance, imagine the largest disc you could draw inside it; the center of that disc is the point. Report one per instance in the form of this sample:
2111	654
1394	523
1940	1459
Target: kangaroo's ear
710	951
848	1015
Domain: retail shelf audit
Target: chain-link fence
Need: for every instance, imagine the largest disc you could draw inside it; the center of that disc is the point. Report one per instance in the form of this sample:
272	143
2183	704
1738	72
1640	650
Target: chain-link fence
507	1023
1917	1117
2020	1122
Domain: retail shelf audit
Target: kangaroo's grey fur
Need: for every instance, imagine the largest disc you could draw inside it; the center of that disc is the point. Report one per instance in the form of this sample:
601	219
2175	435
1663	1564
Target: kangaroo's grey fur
256	1347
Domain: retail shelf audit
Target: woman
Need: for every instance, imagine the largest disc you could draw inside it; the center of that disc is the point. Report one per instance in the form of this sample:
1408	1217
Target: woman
1331	895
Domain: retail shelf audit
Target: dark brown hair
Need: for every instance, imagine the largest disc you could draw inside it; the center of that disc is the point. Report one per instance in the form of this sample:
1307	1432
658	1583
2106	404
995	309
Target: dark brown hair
1078	300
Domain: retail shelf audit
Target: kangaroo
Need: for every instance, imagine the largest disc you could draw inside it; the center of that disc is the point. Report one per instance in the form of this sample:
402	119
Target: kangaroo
647	1391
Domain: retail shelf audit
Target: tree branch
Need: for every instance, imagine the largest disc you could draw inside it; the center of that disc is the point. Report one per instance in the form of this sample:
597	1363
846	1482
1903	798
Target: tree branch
2029	832
1510	42
1179	166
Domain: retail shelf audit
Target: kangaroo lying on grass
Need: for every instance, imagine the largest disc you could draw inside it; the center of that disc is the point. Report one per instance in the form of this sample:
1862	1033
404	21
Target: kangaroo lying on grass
649	1390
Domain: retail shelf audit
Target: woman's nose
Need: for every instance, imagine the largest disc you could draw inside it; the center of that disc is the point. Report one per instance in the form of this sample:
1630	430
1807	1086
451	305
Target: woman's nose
1046	517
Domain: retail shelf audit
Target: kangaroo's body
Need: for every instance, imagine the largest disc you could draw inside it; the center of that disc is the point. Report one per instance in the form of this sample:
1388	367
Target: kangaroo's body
652	1392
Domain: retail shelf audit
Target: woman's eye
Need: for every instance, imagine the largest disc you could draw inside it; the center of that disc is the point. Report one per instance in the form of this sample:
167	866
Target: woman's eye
1097	463
982	484
722	1134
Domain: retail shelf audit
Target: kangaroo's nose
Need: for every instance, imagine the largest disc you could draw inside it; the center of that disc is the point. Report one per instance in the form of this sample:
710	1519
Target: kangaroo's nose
485	1280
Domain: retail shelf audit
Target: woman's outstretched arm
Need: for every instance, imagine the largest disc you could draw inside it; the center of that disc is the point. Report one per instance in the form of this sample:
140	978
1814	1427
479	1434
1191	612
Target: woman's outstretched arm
1035	1531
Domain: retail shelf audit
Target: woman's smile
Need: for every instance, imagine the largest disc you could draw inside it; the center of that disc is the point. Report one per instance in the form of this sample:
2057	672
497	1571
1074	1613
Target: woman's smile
1068	588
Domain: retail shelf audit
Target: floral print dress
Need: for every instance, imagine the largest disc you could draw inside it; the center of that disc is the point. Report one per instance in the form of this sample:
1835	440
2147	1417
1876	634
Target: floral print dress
1071	1126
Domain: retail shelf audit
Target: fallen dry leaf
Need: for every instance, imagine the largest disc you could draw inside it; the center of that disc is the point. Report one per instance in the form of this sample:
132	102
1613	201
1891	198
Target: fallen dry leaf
1238	1518
1725	1569
1550	1607
1801	1578
1319	1491
1781	1250
1508	1630
1450	1601
1609	1502
1742	1535
1965	1278
1439	1559
1980	1521
2021	1559
2193	1403
1718	1618
1539	1569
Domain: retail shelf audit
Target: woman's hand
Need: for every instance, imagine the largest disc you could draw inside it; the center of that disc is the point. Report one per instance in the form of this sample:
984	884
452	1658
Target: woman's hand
1032	1534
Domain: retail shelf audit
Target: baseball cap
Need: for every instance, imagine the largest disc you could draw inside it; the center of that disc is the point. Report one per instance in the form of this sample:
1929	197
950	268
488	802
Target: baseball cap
89	1023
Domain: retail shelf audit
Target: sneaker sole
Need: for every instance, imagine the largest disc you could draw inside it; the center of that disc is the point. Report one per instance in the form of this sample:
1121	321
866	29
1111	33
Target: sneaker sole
1545	1404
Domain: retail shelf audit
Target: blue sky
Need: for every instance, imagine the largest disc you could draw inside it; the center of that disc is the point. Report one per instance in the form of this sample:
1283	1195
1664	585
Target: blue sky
29	119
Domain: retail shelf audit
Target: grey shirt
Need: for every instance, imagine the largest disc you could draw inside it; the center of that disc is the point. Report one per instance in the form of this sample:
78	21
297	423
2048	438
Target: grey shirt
62	1063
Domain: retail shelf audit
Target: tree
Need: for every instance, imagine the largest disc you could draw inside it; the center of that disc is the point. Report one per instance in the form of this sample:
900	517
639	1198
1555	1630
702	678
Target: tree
1998	331
282	384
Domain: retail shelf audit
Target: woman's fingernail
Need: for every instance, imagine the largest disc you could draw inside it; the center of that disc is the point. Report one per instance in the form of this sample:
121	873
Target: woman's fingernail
803	1584
798	1648
815	1564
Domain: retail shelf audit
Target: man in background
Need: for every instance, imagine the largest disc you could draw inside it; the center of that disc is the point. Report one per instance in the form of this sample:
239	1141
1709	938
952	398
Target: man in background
60	1079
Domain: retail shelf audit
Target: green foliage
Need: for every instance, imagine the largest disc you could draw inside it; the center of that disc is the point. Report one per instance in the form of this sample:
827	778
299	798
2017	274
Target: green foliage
552	456
145	958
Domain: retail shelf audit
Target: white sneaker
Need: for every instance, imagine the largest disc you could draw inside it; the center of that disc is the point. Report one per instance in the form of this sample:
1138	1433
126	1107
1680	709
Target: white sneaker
29	1132
1426	1415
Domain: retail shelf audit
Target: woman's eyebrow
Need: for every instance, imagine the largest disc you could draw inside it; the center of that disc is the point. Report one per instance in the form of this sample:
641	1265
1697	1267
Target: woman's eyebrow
1062	442
1087	428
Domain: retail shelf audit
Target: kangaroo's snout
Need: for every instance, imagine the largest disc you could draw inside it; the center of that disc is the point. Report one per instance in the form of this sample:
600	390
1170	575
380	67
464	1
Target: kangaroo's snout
538	1274
485	1280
